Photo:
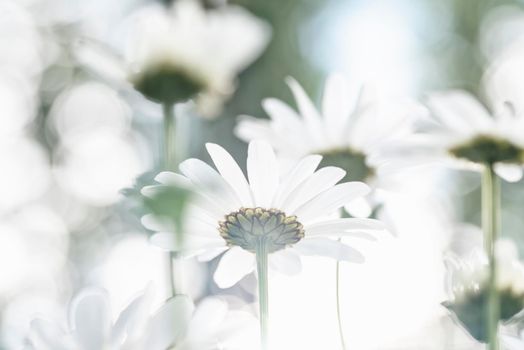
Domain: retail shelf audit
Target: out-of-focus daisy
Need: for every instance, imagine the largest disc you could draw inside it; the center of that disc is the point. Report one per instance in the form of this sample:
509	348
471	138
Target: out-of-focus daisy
284	214
468	288
513	342
186	52
177	324
463	133
91	326
347	131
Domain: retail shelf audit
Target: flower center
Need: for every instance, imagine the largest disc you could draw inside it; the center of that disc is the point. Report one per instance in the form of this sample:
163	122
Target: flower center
470	309
352	161
489	150
250	228
167	83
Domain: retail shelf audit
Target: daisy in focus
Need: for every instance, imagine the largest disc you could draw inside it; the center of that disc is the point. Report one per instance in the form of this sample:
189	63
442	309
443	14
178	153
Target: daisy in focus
462	133
185	52
270	213
347	131
468	288
176	325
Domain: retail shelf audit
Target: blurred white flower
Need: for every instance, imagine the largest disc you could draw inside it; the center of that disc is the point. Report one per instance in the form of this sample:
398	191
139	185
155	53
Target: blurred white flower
33	246
186	51
462	133
177	324
513	342
23	161
348	130
293	213
87	169
467	287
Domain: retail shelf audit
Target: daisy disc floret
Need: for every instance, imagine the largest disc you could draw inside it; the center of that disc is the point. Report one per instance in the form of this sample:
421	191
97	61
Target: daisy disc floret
249	228
284	214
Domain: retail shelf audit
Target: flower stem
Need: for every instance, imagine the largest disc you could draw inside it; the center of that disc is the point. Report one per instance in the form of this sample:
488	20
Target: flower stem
262	271
491	227
169	163
339	316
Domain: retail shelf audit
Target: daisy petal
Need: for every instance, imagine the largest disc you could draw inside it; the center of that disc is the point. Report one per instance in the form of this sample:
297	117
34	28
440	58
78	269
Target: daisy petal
250	128
307	109
302	170
155	223
206	320
459	110
337	103
214	186
169	323
210	254
352	227
91	319
317	183
233	266
329	248
509	172
360	208
168	241
288	132
131	321
286	261
231	172
332	199
173	179
262	169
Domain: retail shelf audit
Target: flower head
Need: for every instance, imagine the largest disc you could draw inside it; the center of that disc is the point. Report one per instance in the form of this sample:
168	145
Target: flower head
346	131
187	52
463	133
286	214
468	288
176	325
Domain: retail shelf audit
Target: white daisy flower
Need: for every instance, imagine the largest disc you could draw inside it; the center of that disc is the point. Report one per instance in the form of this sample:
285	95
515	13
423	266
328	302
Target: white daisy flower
467	287
287	214
463	133
176	325
347	131
186	52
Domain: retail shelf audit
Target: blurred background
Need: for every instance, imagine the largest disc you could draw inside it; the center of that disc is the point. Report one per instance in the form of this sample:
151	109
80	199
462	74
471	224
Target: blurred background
75	150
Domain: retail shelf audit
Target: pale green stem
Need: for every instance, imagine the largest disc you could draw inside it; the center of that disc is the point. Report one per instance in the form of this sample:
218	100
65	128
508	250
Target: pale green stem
491	227
339	316
169	150
169	163
262	271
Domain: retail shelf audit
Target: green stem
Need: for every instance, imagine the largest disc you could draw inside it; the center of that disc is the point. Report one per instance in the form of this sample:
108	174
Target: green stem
491	227
339	316
169	163
169	149
262	270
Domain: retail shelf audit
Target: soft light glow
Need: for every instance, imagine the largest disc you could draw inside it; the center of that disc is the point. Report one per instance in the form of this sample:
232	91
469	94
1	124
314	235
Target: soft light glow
96	166
32	250
25	172
89	107
124	275
372	42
